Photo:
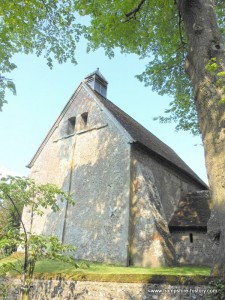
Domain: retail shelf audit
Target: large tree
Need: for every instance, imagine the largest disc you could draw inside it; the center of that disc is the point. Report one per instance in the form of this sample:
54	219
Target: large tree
183	40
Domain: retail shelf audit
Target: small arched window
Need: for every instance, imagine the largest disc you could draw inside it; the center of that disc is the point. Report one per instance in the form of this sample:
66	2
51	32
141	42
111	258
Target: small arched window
82	121
71	125
84	118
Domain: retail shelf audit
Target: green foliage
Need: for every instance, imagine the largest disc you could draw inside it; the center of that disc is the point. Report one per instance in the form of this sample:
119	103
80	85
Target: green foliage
50	268
151	29
27	193
39	247
220	10
46	269
155	32
212	65
221	74
213	68
23	191
56	267
43	27
9	226
5	83
49	247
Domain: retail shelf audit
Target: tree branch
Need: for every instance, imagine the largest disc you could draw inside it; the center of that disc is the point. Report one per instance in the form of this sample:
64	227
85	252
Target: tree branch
135	10
2	78
25	233
14	269
180	30
46	8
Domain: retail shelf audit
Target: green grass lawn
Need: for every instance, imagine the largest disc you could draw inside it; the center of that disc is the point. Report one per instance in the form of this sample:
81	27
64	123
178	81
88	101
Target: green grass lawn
49	266
47	269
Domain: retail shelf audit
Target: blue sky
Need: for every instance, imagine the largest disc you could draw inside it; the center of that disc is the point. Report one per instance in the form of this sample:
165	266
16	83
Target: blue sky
42	94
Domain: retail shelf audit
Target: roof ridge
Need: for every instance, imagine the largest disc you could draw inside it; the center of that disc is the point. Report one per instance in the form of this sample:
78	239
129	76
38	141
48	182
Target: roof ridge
136	131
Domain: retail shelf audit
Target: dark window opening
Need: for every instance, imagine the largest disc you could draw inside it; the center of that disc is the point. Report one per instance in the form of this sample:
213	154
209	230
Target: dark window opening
191	237
71	125
84	117
217	238
81	122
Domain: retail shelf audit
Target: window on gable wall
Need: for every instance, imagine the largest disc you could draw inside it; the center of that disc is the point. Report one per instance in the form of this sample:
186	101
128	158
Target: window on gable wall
71	125
83	120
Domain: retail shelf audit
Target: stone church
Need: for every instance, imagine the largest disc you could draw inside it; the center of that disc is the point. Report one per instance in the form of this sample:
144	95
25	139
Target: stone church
137	202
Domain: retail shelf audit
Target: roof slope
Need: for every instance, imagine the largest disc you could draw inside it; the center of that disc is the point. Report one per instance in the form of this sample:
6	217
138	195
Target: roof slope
146	138
136	131
192	211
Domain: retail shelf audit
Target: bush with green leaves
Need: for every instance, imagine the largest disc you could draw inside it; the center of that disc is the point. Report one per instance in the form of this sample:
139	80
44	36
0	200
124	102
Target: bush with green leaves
10	222
25	192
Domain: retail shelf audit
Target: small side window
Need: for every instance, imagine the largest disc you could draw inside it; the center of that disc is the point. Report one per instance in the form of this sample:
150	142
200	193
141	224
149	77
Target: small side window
191	237
81	122
71	125
84	118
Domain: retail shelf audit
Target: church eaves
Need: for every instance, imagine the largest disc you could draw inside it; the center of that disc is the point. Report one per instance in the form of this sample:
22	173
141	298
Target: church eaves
144	137
137	133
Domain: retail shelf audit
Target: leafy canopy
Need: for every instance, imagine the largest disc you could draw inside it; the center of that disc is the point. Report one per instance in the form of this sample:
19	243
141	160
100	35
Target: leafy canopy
44	27
151	29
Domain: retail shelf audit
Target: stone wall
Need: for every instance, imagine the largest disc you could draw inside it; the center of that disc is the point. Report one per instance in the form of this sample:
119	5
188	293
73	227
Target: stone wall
171	184
150	240
116	219
156	190
92	163
193	247
79	290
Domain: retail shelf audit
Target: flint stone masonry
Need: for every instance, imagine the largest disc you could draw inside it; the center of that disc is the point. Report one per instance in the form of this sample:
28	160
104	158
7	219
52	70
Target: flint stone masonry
150	240
126	183
197	251
189	229
171	184
87	290
92	166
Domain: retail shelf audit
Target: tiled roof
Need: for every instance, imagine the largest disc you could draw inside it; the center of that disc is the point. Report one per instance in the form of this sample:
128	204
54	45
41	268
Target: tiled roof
147	139
192	211
138	133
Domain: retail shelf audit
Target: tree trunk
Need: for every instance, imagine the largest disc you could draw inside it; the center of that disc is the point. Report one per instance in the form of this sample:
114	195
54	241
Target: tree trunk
24	295
205	42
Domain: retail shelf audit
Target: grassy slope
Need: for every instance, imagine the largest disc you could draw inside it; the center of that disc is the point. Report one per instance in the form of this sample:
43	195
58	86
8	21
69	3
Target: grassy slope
47	269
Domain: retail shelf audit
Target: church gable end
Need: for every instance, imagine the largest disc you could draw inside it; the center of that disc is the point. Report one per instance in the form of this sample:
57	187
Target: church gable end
126	183
89	157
